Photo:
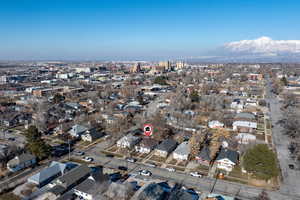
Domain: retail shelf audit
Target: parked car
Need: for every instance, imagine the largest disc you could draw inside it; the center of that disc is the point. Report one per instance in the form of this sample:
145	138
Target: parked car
122	168
79	153
291	166
151	165
196	174
109	155
145	172
132	160
87	159
170	169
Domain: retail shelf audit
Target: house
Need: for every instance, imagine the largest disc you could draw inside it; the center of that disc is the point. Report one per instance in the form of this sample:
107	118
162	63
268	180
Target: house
120	191
203	156
11	119
91	135
153	191
128	141
251	103
91	187
178	192
77	130
146	145
245	138
182	151
237	104
87	189
215	124
68	181
245	122
21	162
165	147
48	174
227	159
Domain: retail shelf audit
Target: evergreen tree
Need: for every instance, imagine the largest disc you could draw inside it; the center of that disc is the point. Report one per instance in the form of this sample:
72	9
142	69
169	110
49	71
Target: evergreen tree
35	144
261	161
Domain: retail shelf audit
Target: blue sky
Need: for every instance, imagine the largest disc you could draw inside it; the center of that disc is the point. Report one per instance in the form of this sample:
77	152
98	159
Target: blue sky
142	29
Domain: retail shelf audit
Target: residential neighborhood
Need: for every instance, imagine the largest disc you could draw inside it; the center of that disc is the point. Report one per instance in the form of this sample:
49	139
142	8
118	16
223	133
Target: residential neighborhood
112	130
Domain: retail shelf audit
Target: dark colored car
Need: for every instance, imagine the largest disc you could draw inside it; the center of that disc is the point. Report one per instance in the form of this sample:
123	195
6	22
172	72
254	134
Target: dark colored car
109	155
291	166
122	168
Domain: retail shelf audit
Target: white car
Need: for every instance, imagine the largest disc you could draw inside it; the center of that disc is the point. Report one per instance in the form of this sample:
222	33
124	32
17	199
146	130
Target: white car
170	169
196	174
145	172
151	165
132	160
87	159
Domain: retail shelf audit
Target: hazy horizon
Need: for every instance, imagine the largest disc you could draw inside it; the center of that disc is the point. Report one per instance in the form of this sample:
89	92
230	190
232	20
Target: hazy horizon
143	30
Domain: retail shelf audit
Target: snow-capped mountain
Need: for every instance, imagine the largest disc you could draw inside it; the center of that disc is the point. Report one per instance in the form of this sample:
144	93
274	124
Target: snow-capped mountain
263	49
264	46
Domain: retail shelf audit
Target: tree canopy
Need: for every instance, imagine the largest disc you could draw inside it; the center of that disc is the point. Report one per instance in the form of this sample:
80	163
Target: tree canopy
194	96
284	81
261	161
58	98
35	144
161	80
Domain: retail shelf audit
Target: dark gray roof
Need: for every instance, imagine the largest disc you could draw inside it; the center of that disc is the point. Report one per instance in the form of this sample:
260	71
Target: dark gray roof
153	192
204	154
227	153
167	145
21	159
181	195
148	142
245	116
74	175
94	133
57	190
88	186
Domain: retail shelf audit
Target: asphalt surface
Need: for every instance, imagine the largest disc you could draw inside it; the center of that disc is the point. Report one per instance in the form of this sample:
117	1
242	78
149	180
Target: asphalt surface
203	184
290	177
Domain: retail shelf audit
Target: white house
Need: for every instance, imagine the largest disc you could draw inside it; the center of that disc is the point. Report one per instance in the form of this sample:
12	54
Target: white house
215	124
251	102
91	135
182	151
77	130
244	124
227	159
128	141
237	104
146	145
245	138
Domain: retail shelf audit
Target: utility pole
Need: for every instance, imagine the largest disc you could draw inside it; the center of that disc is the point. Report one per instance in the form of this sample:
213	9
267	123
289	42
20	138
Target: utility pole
69	149
213	187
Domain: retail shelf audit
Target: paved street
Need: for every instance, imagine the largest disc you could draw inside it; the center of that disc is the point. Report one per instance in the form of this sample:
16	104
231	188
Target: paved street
202	184
291	178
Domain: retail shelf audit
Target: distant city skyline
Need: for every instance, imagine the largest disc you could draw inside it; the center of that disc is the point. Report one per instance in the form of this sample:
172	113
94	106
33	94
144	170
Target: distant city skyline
148	30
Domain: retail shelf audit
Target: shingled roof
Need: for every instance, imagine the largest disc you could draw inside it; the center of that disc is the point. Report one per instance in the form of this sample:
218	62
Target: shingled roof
229	154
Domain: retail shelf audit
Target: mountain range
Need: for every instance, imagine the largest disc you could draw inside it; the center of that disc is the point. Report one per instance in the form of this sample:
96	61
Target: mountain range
262	49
